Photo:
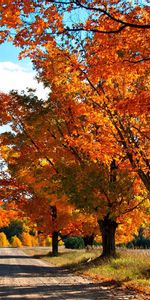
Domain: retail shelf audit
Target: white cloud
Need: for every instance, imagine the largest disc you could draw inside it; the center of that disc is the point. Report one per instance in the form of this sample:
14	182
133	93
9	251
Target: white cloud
15	77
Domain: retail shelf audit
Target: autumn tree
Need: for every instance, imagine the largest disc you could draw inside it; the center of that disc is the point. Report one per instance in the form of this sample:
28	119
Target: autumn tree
100	189
98	93
31	158
94	127
50	212
113	201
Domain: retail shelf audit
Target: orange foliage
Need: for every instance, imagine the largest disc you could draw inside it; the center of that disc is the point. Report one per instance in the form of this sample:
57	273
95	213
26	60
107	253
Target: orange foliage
96	114
7	213
81	224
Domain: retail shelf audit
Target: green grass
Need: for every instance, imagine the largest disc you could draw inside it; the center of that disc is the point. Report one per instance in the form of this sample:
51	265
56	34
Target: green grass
131	268
129	265
70	259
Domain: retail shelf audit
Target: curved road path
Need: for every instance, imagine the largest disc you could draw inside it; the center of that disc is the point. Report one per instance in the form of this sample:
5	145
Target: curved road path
22	277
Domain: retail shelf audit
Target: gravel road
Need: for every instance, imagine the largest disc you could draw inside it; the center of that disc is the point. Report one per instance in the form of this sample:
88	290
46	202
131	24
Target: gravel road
22	277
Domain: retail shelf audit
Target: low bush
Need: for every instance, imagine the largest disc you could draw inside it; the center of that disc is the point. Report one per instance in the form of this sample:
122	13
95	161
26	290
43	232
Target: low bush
61	243
3	240
26	239
48	241
35	242
15	242
74	243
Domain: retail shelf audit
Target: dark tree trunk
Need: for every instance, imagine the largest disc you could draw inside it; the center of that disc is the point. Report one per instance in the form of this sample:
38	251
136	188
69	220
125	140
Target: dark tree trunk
53	212
108	226
55	243
88	240
113	171
108	230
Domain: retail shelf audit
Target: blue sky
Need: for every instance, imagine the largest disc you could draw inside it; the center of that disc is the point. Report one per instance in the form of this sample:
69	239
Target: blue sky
17	74
9	52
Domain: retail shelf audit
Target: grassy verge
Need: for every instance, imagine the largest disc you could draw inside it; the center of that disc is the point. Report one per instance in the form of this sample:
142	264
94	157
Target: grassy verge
131	269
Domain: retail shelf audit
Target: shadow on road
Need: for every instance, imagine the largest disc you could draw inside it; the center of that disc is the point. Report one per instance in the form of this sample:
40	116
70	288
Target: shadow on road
14	257
89	291
16	271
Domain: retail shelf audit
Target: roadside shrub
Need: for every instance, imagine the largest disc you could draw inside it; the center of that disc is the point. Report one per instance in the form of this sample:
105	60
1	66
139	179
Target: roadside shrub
26	239
48	241
3	240
61	243
95	243
43	243
14	228
74	243
41	240
34	240
15	242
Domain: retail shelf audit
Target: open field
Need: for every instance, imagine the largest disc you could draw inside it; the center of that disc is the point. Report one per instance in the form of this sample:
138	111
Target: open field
131	269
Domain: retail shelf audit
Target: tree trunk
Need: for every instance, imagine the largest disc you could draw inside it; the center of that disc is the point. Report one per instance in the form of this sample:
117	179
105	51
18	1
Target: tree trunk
55	243
88	240
108	230
53	213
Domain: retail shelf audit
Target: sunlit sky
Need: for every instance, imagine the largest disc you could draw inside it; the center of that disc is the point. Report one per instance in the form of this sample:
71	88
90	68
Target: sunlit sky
16	74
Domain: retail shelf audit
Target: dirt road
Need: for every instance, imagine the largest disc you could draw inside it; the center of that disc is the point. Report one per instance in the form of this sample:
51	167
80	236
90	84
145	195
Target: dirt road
22	277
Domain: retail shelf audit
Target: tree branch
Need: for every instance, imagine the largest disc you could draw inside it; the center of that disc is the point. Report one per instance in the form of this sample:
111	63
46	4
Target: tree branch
104	12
